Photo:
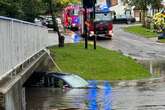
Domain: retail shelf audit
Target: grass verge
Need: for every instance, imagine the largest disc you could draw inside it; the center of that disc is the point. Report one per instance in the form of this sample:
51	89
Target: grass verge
162	40
99	64
141	31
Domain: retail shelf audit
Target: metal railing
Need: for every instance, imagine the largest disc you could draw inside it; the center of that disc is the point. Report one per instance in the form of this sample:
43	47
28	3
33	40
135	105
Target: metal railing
19	40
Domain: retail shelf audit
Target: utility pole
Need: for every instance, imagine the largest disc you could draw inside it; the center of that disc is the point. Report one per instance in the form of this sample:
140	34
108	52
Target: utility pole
85	26
85	29
55	25
89	4
94	24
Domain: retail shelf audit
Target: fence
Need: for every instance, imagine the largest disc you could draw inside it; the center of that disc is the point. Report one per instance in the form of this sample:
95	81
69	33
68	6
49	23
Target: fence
19	40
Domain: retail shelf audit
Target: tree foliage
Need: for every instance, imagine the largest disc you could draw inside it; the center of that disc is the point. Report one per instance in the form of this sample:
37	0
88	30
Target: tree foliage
156	4
21	9
30	9
11	8
159	21
143	4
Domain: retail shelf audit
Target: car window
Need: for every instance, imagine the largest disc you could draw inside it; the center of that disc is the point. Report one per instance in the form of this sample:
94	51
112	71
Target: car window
103	17
121	16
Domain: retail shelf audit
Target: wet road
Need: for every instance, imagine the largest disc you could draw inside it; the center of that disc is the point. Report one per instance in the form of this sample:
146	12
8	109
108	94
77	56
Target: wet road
149	97
133	45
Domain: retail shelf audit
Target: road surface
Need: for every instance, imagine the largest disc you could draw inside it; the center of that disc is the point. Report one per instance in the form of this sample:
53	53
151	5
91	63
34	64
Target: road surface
133	45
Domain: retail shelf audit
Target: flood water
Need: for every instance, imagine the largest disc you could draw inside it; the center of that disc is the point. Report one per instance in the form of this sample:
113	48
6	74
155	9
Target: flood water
156	67
148	97
96	98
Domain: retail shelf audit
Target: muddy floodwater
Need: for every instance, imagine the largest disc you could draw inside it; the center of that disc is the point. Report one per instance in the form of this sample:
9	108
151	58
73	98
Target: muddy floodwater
146	97
96	98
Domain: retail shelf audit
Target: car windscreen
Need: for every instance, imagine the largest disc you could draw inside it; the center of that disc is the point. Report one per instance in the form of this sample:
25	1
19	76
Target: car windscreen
103	17
75	81
123	16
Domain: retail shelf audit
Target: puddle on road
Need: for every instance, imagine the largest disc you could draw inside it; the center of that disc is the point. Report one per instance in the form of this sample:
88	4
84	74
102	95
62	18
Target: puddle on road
156	67
70	99
148	97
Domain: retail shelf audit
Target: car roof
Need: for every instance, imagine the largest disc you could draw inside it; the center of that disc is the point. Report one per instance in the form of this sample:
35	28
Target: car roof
57	74
69	80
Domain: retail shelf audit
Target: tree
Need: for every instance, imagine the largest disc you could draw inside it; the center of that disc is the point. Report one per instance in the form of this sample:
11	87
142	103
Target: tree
156	4
141	5
32	9
159	21
11	8
28	10
21	9
125	1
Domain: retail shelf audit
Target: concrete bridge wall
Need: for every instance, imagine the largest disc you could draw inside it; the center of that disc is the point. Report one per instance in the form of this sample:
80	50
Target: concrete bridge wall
19	41
22	47
12	93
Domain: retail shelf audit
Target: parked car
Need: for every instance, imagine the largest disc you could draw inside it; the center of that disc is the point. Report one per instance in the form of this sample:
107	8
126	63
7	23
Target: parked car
123	19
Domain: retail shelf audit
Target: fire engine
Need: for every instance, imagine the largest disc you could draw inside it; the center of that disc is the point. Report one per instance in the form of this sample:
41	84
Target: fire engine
71	17
102	24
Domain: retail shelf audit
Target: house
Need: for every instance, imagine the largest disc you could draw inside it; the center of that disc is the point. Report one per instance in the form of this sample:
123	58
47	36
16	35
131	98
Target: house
121	8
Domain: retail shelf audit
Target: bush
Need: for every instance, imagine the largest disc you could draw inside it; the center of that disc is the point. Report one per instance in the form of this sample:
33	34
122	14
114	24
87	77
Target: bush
159	21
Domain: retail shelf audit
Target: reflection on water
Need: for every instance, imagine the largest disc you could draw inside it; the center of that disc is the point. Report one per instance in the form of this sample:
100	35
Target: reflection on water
85	99
148	97
92	96
156	67
107	96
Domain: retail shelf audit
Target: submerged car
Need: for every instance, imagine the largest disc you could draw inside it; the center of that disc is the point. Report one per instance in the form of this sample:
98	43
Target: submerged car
65	80
123	19
56	80
63	91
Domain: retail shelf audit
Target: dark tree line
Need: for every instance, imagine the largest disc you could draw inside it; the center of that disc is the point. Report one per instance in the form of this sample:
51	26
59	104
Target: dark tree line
21	9
28	10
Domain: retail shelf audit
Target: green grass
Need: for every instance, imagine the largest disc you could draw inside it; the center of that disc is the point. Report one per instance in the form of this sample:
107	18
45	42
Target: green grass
99	64
162	40
141	31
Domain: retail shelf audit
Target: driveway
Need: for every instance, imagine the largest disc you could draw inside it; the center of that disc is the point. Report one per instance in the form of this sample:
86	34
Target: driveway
133	45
